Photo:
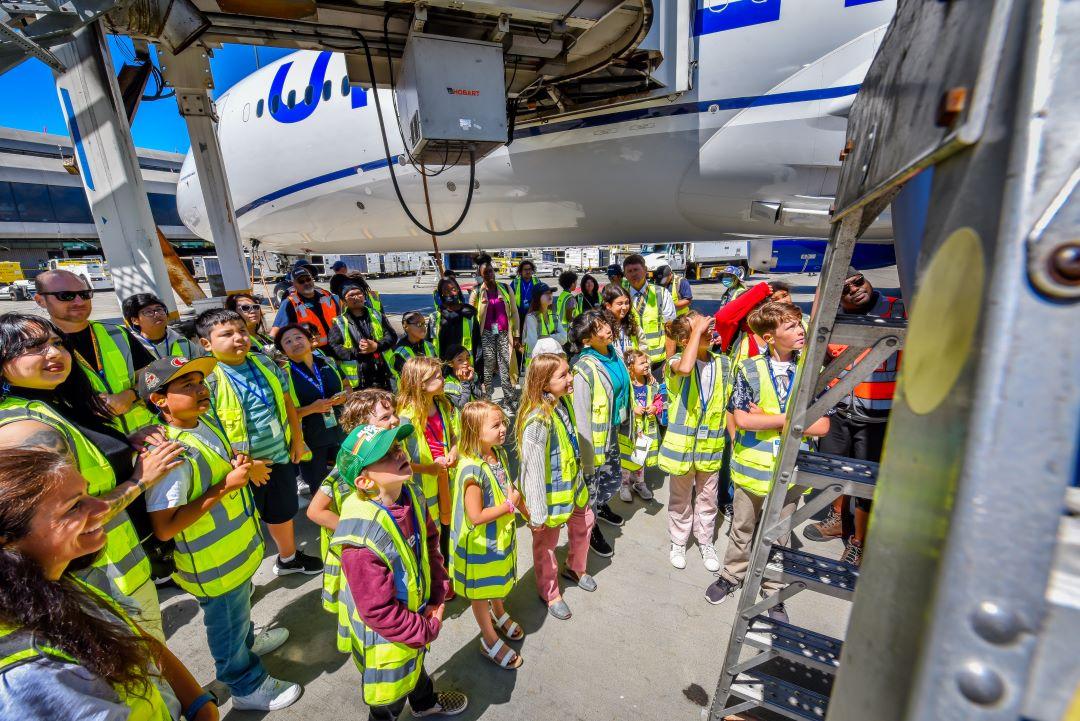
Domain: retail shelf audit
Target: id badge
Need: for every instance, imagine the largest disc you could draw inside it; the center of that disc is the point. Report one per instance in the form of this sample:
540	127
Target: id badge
776	447
703	433
329	419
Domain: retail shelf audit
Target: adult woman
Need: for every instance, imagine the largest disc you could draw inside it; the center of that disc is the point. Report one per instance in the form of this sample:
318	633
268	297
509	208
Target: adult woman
66	649
602	413
318	387
625	330
590	293
249	308
542	320
44	404
497	314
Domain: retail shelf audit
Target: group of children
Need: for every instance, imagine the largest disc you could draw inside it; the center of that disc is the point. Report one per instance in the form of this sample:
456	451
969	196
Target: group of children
422	503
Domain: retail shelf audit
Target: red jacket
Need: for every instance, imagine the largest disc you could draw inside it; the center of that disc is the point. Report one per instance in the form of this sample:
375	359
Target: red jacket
731	318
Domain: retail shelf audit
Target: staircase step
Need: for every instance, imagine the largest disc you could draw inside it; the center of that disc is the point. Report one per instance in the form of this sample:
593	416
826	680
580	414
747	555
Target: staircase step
797	644
780	696
865	330
821	470
820	574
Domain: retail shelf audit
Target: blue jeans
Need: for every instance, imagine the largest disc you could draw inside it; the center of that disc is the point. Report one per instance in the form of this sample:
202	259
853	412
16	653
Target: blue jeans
230	633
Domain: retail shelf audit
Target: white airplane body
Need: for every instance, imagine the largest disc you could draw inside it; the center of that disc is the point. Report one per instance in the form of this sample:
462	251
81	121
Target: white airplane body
762	126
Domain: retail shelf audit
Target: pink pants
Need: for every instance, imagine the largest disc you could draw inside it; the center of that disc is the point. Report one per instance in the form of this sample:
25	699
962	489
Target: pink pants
687	513
545	539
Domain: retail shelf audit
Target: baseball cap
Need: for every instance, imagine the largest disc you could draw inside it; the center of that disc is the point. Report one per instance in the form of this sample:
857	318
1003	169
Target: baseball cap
338	265
732	270
155	377
365	445
614	269
539	289
304	266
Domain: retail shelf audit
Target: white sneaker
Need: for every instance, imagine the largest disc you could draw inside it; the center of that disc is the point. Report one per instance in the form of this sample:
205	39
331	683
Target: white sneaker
271	695
708	556
269	641
642	490
624	494
677	556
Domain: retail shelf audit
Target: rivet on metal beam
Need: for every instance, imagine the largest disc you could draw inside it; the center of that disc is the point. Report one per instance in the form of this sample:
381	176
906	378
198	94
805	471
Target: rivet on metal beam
1064	263
952	104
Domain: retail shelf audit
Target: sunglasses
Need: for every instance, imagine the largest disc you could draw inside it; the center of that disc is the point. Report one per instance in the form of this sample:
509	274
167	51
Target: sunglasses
852	285
68	295
303	278
247	308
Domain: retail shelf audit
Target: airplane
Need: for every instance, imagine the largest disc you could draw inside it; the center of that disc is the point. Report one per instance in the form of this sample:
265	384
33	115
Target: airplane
751	150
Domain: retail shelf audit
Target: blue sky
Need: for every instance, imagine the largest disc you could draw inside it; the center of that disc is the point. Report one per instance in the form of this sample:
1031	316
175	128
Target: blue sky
158	124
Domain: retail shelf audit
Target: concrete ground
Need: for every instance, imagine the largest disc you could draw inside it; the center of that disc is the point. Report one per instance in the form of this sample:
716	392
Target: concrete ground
645	645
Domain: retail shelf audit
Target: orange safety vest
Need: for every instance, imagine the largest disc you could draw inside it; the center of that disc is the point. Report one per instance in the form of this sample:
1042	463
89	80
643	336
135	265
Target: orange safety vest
328	308
876	393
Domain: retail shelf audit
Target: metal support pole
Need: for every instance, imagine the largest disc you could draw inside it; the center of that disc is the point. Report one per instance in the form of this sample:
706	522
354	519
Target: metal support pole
189	73
109	167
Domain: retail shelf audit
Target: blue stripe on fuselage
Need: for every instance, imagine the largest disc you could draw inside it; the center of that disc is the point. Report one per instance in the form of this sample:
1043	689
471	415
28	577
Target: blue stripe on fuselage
723	15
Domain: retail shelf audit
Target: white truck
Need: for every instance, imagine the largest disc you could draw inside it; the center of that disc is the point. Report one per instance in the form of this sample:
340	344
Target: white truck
93	269
697	261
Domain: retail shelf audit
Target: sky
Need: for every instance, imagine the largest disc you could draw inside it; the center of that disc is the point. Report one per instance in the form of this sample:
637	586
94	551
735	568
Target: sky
158	124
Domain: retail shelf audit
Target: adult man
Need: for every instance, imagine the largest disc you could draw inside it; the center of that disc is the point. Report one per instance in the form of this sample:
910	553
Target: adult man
339	278
615	274
148	319
109	355
307	305
522	286
359	338
652	308
858	427
731	277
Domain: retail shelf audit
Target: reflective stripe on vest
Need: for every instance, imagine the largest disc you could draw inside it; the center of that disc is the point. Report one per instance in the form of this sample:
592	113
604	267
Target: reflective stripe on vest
332	577
876	392
436	326
560	306
118	369
222	549
675	298
351	367
695	439
651	323
405	353
122	566
328	308
420	452
226	401
566	488
389	670
646	424
483	559
590	371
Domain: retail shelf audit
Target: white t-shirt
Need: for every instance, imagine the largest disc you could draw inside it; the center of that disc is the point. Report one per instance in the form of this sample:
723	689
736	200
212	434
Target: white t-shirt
780	370
172	490
707	374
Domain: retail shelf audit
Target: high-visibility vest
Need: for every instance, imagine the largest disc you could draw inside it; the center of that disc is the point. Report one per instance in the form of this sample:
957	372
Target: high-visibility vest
547	324
754	453
176	344
228	411
420	452
435	321
515	285
222	549
340	489
351	367
122	566
318	323
117	373
560	306
876	392
649	426
591	371
565	488
651	323
389	669
405	352
675	298
20	646
696	436
456	392
483	559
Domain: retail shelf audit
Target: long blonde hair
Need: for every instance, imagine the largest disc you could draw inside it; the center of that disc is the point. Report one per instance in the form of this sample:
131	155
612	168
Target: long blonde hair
414	375
534	399
472	419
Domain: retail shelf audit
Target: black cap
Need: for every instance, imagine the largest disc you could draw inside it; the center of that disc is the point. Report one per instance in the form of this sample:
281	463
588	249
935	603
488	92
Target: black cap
156	376
540	288
338	265
303	265
614	269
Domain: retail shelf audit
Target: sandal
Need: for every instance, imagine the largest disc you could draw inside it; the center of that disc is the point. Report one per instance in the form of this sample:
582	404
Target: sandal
513	632
511	659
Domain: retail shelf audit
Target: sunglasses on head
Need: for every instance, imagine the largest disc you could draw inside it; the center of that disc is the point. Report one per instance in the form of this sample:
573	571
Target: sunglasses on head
68	295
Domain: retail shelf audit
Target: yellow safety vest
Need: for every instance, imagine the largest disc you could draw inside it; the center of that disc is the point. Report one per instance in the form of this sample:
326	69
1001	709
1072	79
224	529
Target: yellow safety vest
420	452
222	549
226	401
351	367
333	580
122	566
436	326
591	372
389	670
695	436
19	646
566	487
645	424
754	453
652	325
117	373
675	298
177	345
404	352
560	306
483	559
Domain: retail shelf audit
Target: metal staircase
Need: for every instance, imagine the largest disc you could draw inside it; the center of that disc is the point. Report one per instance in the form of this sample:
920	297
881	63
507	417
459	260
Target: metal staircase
30	27
789	670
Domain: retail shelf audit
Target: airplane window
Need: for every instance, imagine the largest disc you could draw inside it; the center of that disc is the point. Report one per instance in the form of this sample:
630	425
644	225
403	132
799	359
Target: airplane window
292	99
327	88
259	108
246	112
309	95
275	103
345	87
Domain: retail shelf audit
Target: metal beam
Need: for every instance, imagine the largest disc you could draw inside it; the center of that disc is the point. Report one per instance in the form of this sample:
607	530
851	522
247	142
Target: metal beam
109	166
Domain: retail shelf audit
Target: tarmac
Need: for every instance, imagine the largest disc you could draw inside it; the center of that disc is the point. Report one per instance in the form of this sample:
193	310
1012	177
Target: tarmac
645	645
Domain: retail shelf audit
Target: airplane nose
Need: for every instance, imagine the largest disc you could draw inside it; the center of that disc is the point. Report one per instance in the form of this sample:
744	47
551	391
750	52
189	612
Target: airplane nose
189	200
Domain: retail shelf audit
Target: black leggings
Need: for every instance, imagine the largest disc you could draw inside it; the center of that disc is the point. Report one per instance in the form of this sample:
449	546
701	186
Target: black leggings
421	698
853	439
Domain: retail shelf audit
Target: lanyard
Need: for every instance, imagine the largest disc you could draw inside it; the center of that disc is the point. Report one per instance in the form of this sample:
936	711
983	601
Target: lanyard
317	381
416	536
256	388
100	369
776	389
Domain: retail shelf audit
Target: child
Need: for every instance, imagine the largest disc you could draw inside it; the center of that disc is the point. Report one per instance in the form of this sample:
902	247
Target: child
758	402
693	448
542	321
421	404
566	303
551	480
482	531
372	407
395	585
206	506
459	383
414	342
641	447
252	402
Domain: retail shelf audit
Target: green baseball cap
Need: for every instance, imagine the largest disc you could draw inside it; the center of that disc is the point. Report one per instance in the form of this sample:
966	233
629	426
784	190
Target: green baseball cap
366	445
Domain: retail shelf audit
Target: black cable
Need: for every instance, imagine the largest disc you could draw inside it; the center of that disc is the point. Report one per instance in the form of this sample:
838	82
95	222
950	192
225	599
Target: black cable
390	161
